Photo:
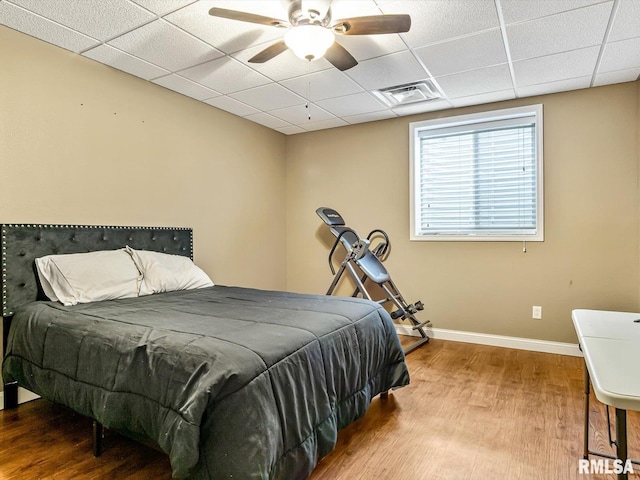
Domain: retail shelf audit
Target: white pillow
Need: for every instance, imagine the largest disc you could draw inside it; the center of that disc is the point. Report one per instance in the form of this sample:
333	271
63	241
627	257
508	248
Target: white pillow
162	272
88	277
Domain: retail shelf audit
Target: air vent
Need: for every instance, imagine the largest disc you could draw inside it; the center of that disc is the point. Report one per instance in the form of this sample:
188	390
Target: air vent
421	91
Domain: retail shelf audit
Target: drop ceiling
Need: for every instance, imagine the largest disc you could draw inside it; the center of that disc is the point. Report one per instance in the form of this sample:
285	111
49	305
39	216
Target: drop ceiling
473	51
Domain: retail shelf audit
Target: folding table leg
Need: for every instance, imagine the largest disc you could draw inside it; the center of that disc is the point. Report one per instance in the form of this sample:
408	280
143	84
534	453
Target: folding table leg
587	392
621	439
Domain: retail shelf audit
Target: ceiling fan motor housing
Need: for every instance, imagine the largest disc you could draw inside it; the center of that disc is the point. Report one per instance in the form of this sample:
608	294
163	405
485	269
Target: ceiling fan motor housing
299	16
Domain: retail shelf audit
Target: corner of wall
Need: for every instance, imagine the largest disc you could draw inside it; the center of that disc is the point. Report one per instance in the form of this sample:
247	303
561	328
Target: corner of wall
638	158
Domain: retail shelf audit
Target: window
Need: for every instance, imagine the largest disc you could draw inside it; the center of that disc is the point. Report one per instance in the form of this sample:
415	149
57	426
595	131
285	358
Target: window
478	177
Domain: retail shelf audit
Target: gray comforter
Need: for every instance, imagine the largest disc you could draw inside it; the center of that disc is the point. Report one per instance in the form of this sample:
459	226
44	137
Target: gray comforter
230	382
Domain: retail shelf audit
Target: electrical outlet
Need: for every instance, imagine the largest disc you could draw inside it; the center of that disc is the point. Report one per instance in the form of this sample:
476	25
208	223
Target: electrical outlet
536	312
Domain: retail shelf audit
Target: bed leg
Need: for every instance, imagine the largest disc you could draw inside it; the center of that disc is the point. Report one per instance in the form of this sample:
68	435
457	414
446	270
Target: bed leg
10	395
98	434
384	395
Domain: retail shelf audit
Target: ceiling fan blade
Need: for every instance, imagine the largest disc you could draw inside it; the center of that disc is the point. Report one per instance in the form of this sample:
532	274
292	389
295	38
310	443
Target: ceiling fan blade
269	52
373	25
338	56
247	17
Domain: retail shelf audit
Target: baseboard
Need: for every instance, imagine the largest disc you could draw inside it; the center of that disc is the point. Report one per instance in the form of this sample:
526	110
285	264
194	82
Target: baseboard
519	343
23	397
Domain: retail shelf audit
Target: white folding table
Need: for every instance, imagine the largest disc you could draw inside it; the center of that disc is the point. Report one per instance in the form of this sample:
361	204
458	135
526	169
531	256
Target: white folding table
610	343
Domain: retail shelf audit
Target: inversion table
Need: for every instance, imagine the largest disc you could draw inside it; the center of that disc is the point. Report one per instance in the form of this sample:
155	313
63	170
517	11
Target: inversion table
364	264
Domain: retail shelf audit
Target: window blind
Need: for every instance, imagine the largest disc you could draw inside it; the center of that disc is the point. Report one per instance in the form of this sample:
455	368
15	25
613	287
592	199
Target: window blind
477	179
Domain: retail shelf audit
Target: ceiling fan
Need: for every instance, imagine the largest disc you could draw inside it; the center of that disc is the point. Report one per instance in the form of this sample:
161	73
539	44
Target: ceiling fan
311	34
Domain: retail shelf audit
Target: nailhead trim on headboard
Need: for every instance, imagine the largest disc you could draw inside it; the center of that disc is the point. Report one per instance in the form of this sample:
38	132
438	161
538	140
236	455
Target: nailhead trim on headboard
60	239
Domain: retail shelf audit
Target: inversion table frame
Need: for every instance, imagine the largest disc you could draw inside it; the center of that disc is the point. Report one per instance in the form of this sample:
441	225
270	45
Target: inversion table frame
364	264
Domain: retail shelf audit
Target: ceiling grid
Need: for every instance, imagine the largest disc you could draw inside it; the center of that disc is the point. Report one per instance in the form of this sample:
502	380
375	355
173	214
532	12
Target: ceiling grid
474	51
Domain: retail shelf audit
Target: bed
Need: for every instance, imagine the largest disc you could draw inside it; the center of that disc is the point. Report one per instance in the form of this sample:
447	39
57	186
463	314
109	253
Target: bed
230	382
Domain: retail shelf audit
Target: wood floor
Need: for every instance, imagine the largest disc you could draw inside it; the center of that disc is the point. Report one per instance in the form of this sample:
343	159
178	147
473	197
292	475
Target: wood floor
471	412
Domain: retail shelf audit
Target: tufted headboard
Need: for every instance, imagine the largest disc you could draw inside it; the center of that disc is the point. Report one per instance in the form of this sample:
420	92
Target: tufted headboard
22	244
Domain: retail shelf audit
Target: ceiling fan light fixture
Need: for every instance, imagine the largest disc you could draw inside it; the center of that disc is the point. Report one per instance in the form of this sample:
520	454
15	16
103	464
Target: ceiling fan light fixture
309	42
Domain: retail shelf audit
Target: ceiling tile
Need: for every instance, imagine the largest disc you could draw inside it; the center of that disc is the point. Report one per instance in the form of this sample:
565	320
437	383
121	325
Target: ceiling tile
620	55
267	120
353	8
551	68
369	117
286	65
617	77
553	87
388	71
627	21
39	27
299	114
290	130
162	7
232	106
321	85
433	22
571	30
474	82
225	75
125	62
163	44
186	87
225	34
355	104
363	47
520	11
324	124
268	8
269	97
97	18
484	98
467	53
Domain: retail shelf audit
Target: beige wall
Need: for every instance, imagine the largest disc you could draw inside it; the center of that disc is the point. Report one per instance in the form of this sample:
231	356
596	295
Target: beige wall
84	143
589	258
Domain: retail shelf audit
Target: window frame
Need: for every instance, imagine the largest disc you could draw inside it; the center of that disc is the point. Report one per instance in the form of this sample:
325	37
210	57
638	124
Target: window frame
465	120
